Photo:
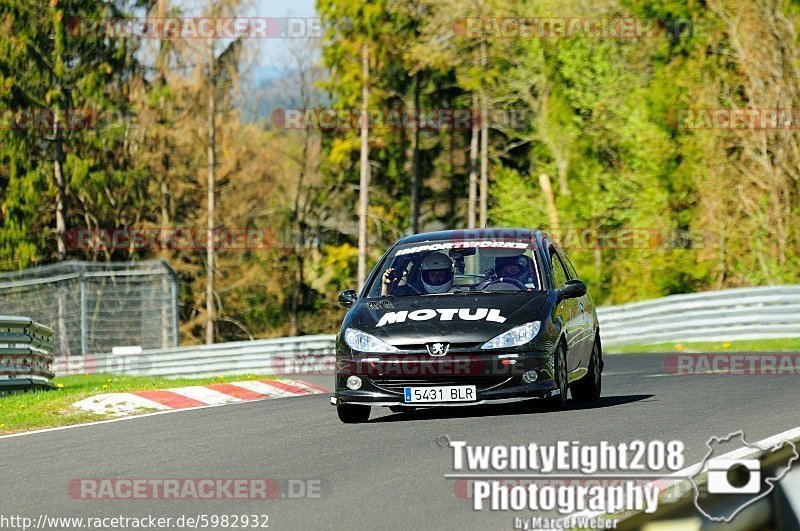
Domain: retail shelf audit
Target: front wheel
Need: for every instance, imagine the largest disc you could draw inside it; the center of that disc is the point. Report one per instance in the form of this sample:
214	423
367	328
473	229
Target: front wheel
587	389
561	376
352	413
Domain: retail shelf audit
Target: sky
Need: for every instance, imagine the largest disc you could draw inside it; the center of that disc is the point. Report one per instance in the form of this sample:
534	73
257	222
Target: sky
268	54
266	81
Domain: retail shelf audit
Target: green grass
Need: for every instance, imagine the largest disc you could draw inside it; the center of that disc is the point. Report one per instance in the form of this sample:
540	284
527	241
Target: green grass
750	345
45	409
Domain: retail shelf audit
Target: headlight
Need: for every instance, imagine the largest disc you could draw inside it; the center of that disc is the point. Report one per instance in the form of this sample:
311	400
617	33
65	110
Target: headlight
364	342
515	337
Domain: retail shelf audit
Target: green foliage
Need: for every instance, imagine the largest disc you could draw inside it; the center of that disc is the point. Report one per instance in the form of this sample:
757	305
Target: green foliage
44	66
599	116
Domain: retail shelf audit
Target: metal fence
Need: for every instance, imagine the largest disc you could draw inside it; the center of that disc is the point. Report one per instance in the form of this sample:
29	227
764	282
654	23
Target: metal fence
25	354
732	314
751	313
94	306
291	355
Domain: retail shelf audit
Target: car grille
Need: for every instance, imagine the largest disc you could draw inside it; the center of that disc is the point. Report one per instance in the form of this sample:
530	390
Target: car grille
473	347
395	385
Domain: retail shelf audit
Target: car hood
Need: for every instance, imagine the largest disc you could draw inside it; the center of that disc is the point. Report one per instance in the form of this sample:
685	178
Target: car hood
456	318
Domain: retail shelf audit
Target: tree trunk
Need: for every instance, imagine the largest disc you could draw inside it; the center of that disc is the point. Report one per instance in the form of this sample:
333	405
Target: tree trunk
484	148
58	102
166	164
550	200
166	317
212	111
363	189
294	320
473	166
554	144
298	221
61	230
61	192
415	162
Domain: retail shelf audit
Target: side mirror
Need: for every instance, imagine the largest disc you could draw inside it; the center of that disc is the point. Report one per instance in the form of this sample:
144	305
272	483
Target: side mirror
572	289
347	298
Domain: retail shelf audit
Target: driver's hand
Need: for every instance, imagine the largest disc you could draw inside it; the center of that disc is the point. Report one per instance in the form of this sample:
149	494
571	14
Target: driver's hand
391	276
390	279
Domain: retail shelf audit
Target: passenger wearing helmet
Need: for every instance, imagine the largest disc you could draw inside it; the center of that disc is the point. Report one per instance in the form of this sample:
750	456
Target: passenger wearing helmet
436	273
514	267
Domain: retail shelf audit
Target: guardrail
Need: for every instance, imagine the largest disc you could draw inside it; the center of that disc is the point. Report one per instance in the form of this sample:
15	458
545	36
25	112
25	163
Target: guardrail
749	313
25	354
779	508
293	355
732	314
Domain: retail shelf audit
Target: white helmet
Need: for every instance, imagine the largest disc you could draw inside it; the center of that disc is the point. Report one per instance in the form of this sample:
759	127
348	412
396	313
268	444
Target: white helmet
436	272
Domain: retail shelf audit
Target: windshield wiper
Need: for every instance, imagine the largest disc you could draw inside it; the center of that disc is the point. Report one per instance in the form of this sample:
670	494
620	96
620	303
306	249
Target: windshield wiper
470	292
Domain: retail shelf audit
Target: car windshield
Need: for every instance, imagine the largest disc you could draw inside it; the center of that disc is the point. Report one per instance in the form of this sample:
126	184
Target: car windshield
485	266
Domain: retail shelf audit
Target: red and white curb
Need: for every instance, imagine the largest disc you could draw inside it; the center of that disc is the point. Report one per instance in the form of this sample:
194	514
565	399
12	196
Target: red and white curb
196	396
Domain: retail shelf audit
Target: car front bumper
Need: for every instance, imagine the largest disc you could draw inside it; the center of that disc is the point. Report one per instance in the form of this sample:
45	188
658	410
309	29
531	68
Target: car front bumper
497	377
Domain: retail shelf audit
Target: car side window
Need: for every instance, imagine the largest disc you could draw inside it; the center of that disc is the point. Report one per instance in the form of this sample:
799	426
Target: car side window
570	268
557	270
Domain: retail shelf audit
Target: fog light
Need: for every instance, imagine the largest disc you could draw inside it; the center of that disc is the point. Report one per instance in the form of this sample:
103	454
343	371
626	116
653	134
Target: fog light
354	382
530	376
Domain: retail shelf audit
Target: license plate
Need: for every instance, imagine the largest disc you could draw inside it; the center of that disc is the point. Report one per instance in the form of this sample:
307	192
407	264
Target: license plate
445	393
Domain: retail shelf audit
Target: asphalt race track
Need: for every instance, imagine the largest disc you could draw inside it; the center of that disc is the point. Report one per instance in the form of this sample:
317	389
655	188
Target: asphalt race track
388	473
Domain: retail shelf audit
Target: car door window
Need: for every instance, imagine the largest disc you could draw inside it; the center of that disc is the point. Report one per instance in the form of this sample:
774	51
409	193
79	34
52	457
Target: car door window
557	270
570	268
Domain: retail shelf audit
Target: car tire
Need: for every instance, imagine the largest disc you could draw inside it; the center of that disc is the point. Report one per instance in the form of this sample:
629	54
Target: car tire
352	413
561	376
588	388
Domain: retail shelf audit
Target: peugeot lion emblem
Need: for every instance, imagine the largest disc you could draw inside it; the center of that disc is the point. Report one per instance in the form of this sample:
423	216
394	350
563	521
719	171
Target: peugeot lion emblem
438	349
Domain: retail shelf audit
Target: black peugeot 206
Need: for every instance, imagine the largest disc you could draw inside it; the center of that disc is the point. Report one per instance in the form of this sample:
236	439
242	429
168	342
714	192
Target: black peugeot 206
467	317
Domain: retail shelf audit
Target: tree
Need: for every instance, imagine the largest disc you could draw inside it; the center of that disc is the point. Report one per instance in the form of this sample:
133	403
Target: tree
221	69
363	183
48	70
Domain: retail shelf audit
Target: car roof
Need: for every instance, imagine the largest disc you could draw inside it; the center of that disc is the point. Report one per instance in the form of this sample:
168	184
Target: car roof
504	233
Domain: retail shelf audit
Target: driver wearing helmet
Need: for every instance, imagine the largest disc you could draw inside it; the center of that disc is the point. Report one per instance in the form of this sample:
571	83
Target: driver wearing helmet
514	267
436	273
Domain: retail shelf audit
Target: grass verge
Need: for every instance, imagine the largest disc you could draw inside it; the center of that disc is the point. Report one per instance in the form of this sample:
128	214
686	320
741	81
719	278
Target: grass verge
46	409
750	345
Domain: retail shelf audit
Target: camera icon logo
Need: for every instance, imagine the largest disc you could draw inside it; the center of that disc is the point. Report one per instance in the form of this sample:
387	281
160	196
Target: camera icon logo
734	476
734	479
